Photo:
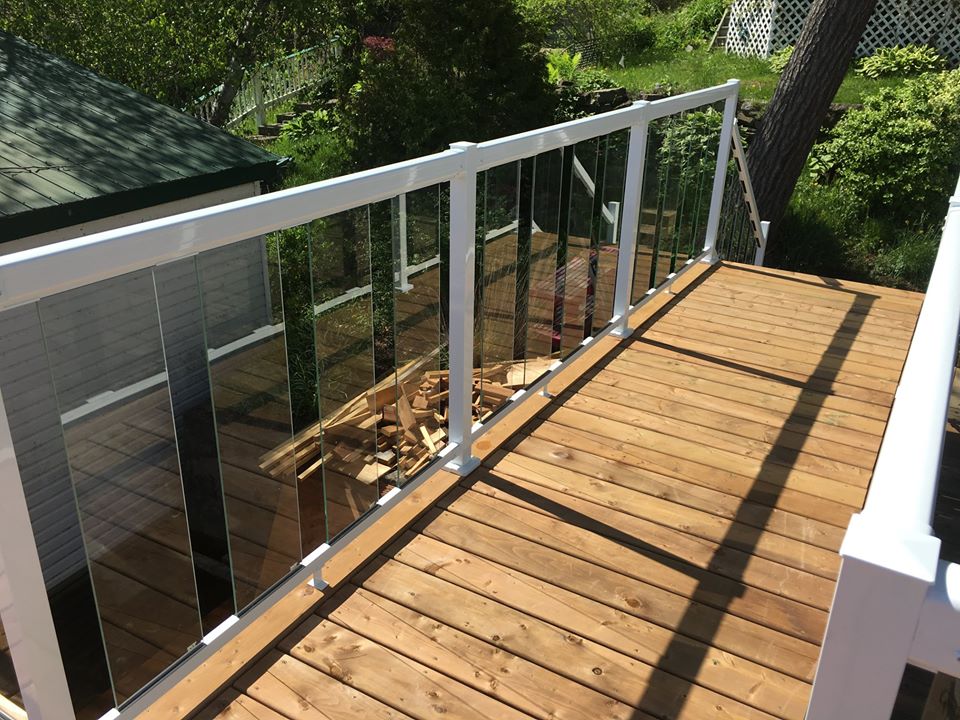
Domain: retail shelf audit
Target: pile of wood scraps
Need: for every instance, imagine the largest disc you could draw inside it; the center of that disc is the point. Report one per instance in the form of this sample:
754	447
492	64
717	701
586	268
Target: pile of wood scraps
394	429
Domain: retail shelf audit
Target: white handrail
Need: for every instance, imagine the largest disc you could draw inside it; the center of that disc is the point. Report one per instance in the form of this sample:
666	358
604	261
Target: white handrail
888	588
913	441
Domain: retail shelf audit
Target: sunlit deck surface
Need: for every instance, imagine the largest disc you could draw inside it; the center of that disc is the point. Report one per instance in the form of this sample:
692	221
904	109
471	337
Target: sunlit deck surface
659	541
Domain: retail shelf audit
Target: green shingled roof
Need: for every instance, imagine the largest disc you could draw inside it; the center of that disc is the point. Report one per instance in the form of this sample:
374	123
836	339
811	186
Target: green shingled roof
75	147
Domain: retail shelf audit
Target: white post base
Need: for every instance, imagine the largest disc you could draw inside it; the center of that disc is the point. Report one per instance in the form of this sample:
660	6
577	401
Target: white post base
463	467
884	578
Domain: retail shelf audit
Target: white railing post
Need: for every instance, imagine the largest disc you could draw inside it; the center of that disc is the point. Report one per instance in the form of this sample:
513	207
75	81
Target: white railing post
614	222
720	178
630	224
260	110
463	250
884	579
762	248
403	282
24	605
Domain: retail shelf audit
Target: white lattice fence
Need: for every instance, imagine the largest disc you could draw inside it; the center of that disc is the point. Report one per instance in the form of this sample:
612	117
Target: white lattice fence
751	25
761	27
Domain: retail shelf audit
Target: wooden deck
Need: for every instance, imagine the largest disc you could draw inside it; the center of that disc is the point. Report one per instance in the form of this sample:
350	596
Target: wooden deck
660	541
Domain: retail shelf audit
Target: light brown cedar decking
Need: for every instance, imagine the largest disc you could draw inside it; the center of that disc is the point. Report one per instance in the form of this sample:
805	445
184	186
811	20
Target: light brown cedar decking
659	541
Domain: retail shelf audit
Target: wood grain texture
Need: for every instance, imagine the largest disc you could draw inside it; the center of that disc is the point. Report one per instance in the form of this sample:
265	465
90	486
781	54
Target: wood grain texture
659	541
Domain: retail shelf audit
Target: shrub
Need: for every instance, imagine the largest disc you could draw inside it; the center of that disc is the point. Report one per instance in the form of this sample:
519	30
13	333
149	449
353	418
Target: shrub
780	59
905	61
573	95
605	29
901	151
438	72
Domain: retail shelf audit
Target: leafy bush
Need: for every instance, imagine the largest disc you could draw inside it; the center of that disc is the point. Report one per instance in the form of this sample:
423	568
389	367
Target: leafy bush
901	151
780	59
562	66
692	24
308	124
606	28
689	143
905	61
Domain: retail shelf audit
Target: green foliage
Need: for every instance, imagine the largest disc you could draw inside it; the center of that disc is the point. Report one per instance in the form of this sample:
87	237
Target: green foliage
308	124
171	50
901	152
689	143
574	95
902	62
316	156
610	28
691	24
828	230
562	66
450	71
780	59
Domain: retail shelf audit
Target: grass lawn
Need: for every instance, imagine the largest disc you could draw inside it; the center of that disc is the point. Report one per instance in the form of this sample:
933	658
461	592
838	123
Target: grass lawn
685	71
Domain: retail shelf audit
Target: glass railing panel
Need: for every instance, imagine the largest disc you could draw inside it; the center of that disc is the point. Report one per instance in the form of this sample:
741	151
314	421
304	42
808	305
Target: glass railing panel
38	439
185	350
607	218
243	317
106	361
543	304
501	269
421	389
575	237
675	199
294	248
346	456
699	139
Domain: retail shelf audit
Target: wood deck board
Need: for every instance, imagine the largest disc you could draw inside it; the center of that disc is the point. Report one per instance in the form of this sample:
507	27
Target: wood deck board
659	541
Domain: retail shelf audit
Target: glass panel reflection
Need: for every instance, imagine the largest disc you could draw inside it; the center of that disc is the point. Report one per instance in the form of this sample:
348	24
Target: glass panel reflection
497	280
295	255
420	331
608	218
107	365
343	307
184	345
243	316
34	418
541	303
577	297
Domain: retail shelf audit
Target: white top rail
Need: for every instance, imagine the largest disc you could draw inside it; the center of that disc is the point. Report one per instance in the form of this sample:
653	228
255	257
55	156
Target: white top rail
904	487
32	274
527	144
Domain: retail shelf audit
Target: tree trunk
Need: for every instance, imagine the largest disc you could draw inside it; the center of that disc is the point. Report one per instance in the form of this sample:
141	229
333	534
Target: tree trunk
802	99
244	52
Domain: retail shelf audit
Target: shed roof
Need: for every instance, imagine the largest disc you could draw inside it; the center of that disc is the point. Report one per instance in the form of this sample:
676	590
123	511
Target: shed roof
76	147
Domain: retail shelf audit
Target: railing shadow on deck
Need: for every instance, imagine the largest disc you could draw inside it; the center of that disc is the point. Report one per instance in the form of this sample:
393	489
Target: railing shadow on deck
777	466
774	471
